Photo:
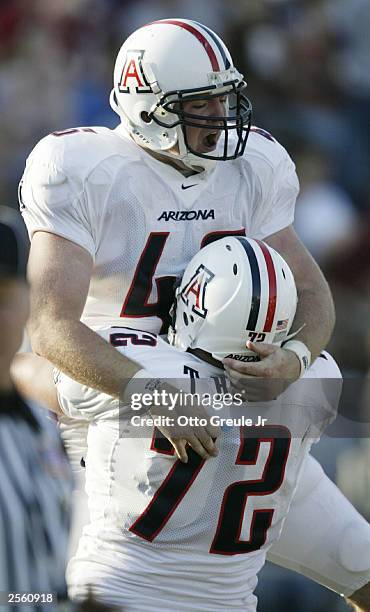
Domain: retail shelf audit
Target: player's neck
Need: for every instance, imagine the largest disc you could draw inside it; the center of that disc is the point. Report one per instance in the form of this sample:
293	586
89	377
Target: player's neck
175	163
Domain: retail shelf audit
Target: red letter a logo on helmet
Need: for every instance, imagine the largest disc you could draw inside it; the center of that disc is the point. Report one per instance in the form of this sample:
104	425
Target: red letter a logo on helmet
196	290
133	78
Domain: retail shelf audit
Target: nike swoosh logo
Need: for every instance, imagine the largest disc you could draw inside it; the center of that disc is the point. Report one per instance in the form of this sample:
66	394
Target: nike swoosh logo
187	186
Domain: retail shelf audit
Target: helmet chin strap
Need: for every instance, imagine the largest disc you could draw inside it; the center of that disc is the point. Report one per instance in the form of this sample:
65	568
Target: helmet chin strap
190	160
196	163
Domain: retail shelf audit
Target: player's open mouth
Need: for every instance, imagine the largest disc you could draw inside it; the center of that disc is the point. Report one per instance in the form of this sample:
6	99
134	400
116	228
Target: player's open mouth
209	142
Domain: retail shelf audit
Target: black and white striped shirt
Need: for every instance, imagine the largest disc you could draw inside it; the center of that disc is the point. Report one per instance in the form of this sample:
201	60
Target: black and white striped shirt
35	490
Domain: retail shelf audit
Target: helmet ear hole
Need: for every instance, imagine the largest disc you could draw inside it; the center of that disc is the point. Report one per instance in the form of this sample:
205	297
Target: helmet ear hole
185	317
145	117
235	269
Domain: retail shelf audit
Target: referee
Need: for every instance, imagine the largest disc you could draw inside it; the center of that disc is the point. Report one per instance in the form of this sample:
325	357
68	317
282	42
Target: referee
35	480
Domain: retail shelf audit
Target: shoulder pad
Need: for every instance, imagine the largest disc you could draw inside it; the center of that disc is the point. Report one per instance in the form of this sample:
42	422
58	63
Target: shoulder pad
264	147
78	151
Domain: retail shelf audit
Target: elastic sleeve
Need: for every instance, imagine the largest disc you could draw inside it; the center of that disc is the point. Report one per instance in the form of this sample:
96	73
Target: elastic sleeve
276	210
53	202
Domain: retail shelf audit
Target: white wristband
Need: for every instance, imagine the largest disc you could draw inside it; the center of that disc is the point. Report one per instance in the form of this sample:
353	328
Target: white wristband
303	353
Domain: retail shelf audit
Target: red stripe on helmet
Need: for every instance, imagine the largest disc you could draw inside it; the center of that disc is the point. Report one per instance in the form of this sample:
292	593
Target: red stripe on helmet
202	39
272	287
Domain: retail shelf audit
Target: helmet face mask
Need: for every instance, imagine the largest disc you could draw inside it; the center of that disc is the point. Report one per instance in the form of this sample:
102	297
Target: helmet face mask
159	71
237	119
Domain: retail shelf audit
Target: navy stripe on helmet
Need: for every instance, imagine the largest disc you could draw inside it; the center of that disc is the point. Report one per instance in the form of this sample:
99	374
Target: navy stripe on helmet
218	44
256	284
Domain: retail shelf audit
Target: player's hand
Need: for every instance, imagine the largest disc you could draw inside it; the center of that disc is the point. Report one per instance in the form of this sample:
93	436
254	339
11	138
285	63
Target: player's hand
266	379
201	438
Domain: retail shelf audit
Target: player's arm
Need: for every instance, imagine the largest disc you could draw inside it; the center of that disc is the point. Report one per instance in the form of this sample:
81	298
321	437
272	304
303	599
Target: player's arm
272	221
315	309
54	204
315	312
59	273
33	377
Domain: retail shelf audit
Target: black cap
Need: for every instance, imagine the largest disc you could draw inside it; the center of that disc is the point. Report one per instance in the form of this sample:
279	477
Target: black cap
13	245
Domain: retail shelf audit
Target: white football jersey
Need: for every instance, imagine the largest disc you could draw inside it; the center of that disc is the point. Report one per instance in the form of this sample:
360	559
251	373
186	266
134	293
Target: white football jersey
323	554
74	436
141	220
188	536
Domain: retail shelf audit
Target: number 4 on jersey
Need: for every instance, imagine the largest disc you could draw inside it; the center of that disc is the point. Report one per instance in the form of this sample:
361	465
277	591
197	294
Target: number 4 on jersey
136	304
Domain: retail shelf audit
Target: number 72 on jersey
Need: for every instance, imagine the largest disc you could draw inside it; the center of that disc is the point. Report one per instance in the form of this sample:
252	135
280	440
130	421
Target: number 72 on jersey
176	484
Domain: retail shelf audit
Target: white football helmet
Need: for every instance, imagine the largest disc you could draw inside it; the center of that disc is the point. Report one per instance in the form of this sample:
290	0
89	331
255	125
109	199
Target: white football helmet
234	290
166	63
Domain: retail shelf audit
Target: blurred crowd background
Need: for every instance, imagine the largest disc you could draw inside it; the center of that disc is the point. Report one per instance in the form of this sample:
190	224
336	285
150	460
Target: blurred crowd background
307	64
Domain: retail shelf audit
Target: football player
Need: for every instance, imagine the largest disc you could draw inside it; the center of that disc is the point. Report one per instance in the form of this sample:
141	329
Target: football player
174	535
115	215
